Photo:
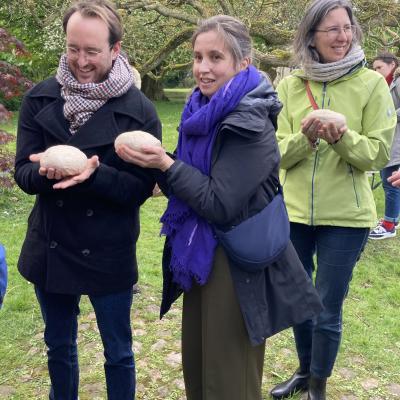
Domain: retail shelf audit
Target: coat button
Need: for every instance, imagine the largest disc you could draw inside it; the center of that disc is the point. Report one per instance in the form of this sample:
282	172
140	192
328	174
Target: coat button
59	203
89	212
53	244
86	252
248	280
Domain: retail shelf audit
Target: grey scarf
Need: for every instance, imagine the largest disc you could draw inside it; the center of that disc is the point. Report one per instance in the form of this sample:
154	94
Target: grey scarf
82	100
330	71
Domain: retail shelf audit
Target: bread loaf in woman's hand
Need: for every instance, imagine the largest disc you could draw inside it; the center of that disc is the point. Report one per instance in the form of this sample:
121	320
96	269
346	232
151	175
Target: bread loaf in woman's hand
69	160
328	116
136	139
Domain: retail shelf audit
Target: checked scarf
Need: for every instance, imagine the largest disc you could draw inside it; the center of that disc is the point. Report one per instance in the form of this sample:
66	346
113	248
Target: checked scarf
190	236
82	100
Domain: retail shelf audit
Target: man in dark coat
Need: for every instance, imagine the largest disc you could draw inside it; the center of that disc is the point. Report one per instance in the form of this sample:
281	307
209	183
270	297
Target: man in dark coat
82	231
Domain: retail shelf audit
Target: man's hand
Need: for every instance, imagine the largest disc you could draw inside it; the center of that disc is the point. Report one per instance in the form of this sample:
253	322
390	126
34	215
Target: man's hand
91	166
49	173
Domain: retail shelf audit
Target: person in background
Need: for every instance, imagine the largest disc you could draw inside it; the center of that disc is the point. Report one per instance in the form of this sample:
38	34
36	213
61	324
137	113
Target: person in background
3	274
225	170
323	172
387	64
82	231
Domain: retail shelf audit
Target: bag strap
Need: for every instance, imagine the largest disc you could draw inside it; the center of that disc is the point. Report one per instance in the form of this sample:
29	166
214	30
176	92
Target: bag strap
314	145
310	96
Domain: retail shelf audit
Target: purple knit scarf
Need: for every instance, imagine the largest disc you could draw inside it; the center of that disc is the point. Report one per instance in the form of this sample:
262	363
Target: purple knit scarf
191	236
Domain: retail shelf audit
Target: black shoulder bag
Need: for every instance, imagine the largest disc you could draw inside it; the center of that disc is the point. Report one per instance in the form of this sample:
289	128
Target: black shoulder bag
259	240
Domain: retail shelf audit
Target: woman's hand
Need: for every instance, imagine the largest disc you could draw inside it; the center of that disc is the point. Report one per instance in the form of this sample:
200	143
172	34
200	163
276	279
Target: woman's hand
331	133
395	179
314	128
149	157
91	166
310	127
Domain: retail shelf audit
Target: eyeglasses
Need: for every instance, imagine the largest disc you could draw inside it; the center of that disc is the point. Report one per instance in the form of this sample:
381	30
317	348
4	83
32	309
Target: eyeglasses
335	31
90	55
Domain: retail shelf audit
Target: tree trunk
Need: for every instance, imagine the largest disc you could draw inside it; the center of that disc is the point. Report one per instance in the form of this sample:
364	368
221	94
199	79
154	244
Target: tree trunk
153	89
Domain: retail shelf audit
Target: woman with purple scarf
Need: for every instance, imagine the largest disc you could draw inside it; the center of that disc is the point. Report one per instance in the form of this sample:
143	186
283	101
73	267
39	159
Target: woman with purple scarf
225	170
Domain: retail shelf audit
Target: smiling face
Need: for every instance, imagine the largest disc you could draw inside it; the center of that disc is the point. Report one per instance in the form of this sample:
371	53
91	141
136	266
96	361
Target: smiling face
331	47
88	50
383	68
213	63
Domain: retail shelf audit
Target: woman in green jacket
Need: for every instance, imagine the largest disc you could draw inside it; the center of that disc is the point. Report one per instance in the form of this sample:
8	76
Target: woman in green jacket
323	168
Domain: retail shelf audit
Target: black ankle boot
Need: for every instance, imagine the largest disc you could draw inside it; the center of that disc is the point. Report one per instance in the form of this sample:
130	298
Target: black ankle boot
297	382
317	389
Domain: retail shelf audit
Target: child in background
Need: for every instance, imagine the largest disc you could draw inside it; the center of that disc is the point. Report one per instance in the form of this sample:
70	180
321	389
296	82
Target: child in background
3	274
387	65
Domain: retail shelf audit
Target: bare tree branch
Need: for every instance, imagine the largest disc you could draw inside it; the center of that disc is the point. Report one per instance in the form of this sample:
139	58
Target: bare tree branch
198	7
164	11
226	7
163	53
261	6
271	34
270	60
168	68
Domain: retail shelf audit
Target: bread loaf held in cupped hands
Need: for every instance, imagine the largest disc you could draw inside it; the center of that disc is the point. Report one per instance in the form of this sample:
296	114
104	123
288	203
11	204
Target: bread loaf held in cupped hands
328	116
68	160
136	139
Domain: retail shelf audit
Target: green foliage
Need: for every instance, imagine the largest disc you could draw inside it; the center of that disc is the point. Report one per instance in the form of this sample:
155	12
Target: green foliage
149	25
13	85
176	79
38	25
6	161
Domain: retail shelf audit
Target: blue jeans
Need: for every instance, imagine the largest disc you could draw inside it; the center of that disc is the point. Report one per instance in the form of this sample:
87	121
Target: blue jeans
337	250
112	311
392	195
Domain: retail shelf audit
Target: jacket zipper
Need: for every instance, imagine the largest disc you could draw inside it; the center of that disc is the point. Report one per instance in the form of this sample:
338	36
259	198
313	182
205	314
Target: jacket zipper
354	185
315	160
312	186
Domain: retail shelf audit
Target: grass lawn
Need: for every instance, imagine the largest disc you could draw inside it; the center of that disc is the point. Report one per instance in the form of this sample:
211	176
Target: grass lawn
368	366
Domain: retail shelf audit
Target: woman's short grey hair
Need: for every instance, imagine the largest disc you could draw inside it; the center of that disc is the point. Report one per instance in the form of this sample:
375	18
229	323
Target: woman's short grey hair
234	33
304	52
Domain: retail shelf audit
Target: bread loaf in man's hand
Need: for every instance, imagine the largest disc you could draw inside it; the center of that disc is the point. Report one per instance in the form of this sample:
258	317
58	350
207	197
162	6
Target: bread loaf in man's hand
328	116
136	139
69	160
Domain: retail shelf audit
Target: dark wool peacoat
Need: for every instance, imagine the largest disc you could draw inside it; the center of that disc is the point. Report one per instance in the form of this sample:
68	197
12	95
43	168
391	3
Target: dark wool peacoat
82	240
243	179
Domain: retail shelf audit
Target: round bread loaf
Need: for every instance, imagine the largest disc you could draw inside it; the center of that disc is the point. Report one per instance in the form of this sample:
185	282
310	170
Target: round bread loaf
328	116
67	159
136	139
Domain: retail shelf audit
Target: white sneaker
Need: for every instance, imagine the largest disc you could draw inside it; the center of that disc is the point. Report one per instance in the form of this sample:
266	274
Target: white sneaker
380	232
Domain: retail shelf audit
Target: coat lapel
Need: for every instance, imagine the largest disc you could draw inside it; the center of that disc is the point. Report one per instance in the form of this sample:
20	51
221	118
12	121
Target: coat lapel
101	129
52	119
